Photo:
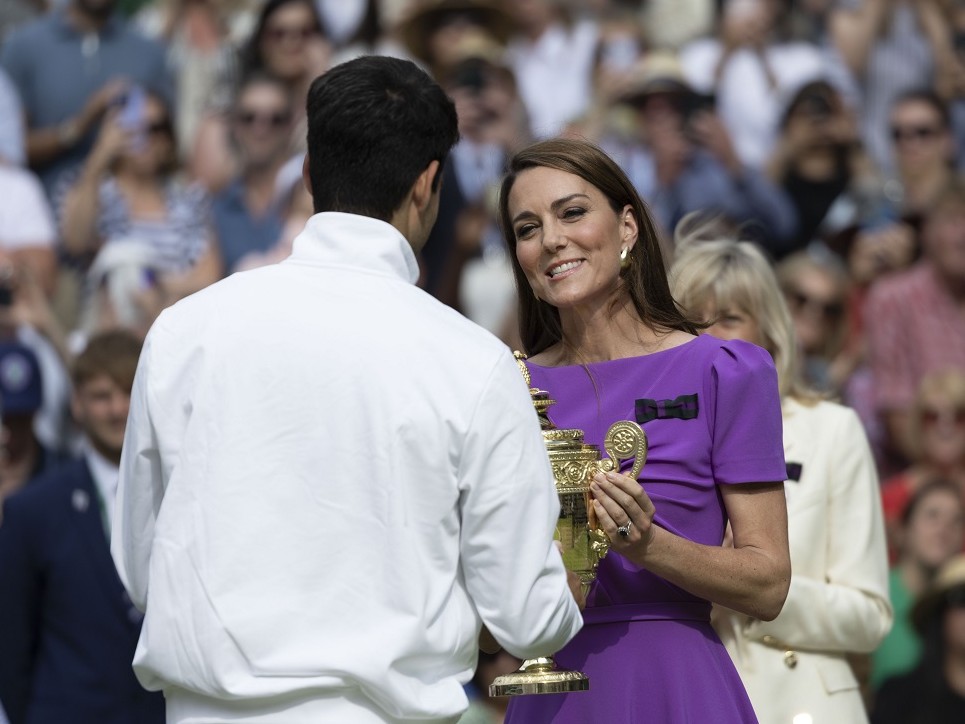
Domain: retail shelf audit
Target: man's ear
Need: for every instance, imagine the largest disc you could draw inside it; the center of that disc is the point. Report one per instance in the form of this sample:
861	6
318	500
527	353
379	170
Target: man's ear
422	189
306	176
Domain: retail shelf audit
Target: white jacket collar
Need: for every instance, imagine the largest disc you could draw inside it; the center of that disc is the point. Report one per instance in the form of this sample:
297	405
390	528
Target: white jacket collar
359	242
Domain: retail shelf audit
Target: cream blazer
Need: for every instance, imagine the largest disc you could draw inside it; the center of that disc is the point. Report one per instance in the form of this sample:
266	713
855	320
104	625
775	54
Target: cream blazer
794	667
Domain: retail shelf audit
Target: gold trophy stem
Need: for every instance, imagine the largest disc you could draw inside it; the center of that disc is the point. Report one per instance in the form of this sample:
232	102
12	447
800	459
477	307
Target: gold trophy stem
574	463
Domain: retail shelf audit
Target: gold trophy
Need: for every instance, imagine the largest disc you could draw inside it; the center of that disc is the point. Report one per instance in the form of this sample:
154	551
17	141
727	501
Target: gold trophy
584	544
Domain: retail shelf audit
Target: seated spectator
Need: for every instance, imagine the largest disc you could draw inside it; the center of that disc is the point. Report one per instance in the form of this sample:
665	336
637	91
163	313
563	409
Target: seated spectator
21	389
889	48
924	151
816	285
248	214
937	436
202	38
934	692
817	157
681	159
287	42
915	320
70	66
931	531
68	628
129	196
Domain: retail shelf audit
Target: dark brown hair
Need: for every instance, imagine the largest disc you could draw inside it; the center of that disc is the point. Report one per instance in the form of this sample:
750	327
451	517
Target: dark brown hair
114	353
645	280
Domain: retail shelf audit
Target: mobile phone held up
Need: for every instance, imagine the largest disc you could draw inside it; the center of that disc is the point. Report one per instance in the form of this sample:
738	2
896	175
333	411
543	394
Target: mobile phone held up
132	116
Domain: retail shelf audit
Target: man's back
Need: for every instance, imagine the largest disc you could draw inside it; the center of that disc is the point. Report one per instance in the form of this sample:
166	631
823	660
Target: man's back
347	467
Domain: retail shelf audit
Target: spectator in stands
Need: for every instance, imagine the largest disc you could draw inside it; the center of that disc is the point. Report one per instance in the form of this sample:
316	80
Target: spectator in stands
202	38
287	42
681	159
816	285
934	692
69	67
751	66
248	214
21	389
931	531
937	439
28	233
889	47
923	149
916	319
68	628
434	31
128	208
817	157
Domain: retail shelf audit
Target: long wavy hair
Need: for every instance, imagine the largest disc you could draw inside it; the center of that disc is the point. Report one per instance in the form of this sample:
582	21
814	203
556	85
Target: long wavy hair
644	280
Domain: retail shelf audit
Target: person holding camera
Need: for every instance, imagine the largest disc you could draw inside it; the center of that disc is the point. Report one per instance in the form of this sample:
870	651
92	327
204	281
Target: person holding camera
681	158
144	231
69	67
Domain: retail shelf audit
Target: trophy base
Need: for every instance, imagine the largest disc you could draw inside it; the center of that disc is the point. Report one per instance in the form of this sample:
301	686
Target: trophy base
539	676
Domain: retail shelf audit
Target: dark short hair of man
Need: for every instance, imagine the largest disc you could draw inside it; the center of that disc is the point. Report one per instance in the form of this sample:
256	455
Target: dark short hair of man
374	124
113	353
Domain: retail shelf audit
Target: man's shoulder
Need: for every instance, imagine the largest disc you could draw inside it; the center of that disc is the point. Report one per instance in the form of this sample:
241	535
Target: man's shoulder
895	287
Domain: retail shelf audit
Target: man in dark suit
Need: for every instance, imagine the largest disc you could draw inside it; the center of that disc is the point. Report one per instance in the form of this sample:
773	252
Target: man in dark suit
68	629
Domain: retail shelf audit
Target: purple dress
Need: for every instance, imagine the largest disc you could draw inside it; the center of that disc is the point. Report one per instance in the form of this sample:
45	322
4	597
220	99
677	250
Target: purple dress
712	413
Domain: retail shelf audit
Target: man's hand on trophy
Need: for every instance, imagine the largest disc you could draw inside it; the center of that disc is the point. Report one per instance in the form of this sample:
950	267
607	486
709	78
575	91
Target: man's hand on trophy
625	512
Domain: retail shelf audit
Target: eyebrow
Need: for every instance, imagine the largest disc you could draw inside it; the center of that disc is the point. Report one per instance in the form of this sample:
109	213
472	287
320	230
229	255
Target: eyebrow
555	205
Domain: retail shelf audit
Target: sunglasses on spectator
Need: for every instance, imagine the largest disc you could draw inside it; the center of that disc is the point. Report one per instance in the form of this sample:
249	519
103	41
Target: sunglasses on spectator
917	133
932	416
829	310
280	33
277	119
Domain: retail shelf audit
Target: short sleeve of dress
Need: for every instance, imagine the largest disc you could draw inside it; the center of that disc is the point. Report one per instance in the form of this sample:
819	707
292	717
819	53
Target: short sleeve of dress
748	444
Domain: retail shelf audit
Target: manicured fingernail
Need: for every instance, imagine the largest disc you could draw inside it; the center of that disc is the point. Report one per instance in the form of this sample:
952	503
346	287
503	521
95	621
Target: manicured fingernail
599	477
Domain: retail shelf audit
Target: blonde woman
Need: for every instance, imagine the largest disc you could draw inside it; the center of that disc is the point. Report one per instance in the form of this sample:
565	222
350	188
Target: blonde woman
838	601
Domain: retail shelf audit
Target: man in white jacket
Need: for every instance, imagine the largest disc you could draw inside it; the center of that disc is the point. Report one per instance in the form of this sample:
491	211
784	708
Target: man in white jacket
330	480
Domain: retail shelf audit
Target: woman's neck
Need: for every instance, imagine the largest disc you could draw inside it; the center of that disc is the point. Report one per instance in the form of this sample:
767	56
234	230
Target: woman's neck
604	335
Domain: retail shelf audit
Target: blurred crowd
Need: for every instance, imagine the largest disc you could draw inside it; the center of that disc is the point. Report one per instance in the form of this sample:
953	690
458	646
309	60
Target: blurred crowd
151	147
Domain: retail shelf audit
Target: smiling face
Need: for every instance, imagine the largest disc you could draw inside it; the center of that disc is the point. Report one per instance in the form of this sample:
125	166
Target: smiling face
568	237
285	37
935	529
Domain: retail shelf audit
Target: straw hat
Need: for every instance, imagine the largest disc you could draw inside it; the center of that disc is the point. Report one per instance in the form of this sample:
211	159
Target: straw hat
951	577
658	72
418	22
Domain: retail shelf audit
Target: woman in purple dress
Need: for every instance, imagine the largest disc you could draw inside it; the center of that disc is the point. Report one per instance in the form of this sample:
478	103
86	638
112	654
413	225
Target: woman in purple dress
606	339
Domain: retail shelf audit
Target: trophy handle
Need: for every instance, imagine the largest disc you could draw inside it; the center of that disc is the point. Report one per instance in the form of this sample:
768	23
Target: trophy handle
625	440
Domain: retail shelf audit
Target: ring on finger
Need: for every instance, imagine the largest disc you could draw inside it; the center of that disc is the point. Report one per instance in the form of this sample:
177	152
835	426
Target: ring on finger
624	530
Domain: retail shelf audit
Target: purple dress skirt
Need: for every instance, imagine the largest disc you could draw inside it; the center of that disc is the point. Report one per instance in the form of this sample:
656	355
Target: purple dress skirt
712	413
